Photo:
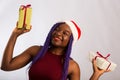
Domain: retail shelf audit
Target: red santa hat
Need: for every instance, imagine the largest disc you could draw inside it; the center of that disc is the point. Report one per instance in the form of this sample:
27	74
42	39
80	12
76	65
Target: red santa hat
75	30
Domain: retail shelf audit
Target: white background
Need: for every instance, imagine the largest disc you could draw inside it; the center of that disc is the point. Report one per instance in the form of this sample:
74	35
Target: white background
99	21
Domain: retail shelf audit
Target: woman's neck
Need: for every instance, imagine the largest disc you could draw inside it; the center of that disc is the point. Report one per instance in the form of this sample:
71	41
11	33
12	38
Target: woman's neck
57	50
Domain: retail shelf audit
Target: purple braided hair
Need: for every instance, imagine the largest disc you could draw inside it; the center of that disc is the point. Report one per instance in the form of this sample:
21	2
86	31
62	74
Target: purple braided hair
67	58
47	44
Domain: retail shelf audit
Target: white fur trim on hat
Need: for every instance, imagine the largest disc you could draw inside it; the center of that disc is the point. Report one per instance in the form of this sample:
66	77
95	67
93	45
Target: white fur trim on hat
74	28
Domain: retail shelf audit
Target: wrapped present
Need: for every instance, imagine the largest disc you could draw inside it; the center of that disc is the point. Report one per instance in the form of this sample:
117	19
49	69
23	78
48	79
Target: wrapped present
25	13
101	61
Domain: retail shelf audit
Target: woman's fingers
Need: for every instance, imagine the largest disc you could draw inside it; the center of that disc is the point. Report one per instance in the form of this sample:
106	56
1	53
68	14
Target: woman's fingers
94	65
98	70
19	31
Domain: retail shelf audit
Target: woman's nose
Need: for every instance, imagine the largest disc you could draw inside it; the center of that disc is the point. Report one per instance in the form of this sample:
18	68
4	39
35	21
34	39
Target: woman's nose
59	32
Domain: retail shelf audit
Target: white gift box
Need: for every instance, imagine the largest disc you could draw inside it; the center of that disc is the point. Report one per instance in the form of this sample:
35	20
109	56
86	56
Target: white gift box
102	62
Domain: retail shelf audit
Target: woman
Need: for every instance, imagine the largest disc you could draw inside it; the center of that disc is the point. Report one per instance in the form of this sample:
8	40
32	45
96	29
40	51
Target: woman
51	61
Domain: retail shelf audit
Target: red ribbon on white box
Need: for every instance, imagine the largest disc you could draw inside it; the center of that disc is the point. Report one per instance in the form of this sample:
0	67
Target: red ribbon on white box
106	58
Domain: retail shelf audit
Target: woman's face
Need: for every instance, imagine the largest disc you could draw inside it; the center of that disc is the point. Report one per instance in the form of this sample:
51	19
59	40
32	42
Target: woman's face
61	36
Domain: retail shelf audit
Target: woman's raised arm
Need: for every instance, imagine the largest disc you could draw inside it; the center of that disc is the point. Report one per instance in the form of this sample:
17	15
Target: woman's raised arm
8	62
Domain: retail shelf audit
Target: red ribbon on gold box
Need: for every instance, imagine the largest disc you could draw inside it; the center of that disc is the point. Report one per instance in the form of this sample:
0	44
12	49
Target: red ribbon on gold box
25	13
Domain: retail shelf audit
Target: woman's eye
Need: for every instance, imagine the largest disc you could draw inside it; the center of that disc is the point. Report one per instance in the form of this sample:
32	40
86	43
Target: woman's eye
66	33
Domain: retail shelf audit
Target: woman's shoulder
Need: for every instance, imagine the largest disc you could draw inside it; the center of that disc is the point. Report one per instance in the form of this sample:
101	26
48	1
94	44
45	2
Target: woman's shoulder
73	63
74	68
33	50
35	47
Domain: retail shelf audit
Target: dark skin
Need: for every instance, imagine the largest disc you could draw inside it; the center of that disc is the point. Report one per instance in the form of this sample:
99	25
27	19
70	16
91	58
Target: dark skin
60	39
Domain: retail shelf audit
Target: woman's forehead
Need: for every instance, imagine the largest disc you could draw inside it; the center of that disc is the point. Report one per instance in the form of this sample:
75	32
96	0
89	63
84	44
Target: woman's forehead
65	27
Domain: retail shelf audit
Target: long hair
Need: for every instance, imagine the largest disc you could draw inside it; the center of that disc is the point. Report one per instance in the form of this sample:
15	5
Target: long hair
67	58
47	44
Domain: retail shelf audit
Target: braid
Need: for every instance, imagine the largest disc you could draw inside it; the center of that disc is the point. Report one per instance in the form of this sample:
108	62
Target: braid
66	59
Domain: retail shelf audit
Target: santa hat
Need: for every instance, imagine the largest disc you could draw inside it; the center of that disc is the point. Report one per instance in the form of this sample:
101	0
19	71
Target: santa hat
75	30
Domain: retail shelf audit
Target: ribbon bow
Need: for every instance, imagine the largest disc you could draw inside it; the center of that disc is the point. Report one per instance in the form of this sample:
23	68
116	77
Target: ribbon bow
100	55
24	7
103	56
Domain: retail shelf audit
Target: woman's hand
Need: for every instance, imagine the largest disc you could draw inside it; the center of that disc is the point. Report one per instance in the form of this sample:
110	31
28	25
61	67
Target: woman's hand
19	31
96	71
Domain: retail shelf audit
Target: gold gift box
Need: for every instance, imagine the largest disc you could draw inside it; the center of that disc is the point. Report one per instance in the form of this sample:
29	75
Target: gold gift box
25	13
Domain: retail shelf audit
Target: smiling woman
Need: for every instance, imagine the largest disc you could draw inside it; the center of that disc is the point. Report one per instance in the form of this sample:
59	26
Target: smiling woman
59	42
52	60
64	30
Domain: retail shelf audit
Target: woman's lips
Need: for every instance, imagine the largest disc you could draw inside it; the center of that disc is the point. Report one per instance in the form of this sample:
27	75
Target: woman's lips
57	39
